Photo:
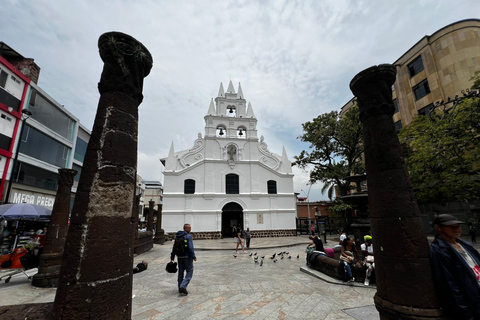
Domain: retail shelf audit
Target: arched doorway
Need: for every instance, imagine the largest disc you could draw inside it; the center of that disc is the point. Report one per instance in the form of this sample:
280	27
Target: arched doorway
232	215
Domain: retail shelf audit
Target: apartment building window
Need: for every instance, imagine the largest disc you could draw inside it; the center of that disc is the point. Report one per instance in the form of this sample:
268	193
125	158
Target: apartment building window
189	186
272	186
3	78
415	66
231	184
398	126
395	105
426	110
51	117
80	150
33	176
40	146
421	89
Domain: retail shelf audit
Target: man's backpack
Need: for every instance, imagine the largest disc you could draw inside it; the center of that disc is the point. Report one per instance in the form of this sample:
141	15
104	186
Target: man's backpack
180	246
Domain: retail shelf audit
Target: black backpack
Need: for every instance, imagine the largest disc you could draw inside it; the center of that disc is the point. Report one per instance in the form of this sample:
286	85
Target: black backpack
180	246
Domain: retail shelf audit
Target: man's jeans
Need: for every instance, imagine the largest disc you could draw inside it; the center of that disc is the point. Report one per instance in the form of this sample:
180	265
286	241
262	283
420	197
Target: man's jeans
184	264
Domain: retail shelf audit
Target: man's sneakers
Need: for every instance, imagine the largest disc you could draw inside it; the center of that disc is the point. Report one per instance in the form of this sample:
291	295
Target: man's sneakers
352	279
182	290
244	251
367	282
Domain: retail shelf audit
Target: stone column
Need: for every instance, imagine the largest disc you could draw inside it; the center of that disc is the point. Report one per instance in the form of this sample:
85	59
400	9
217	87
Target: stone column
404	281
135	211
96	275
159	233
51	257
151	203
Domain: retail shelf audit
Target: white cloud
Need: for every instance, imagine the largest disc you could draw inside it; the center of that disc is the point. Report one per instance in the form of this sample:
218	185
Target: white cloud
295	59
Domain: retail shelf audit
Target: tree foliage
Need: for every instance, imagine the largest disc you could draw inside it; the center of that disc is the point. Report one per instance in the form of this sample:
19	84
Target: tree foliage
442	153
336	149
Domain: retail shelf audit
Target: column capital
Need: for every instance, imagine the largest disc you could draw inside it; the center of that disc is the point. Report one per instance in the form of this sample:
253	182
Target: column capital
373	89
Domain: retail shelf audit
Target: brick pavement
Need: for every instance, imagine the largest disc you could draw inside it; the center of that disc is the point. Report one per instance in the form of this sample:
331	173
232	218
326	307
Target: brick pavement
225	287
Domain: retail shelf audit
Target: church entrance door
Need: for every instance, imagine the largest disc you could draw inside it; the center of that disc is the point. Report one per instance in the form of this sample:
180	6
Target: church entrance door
232	215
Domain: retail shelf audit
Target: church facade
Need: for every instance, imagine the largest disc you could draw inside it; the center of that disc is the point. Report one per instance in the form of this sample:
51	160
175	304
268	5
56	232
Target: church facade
229	177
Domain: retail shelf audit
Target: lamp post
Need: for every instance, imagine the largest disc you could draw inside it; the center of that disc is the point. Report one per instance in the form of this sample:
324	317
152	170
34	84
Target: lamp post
25	115
308	203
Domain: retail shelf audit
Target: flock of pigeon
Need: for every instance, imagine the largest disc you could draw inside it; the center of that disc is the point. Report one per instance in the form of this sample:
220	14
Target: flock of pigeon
274	257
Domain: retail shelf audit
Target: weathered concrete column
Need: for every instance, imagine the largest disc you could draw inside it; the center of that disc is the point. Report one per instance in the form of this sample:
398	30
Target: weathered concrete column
151	203
51	257
159	233
96	275
404	281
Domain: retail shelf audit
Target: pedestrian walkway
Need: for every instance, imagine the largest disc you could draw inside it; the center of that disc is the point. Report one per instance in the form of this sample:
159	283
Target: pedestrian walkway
224	286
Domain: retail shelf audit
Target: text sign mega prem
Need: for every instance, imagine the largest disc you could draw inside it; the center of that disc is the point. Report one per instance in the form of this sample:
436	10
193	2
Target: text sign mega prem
37	199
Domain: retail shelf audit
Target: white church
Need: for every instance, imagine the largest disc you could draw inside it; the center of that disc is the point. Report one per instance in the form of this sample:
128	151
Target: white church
229	177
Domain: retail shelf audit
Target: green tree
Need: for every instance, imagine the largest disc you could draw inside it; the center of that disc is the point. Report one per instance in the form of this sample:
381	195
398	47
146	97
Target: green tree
336	149
442	153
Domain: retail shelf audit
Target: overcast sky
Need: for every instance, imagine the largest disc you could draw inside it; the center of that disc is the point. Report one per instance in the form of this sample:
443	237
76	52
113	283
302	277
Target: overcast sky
294	59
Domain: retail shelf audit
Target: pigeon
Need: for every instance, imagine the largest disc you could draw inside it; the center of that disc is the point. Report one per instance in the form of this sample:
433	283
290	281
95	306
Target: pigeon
256	258
250	254
289	257
256	261
234	256
298	256
287	252
255	254
282	257
263	257
275	260
274	255
261	263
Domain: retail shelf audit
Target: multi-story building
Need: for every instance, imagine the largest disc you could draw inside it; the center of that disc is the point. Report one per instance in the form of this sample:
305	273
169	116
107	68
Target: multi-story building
51	137
229	177
436	68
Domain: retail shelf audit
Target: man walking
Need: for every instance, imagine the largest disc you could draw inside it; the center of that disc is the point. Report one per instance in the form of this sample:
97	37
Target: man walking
183	249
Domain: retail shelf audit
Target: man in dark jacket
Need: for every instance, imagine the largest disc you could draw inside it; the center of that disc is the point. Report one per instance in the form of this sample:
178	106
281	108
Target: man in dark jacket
456	270
185	263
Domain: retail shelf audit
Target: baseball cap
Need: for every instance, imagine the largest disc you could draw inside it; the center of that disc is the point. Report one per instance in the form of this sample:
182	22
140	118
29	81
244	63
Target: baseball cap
445	220
367	237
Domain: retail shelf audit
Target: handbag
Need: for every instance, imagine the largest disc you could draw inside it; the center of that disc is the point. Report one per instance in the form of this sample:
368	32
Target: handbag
309	250
348	253
171	267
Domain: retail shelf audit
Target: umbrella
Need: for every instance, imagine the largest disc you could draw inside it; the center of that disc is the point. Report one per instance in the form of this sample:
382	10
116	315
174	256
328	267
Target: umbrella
24	211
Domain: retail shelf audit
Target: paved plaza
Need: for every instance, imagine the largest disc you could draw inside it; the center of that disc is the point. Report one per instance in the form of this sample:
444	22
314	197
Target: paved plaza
227	287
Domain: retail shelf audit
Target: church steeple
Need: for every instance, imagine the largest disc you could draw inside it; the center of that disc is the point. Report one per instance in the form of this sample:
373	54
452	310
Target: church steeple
171	163
211	109
230	89
240	92
221	92
250	113
286	166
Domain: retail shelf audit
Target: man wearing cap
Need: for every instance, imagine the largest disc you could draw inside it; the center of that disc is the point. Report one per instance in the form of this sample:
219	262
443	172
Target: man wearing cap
456	270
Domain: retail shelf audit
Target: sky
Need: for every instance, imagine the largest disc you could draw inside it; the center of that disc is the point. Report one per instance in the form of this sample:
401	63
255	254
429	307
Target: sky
294	59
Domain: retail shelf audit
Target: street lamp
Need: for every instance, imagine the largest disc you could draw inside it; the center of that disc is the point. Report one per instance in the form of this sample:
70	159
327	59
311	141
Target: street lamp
308	202
25	115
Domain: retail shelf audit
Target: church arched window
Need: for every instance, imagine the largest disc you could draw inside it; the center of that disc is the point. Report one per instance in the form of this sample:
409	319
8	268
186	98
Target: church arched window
272	186
189	186
231	111
241	133
221	132
232	184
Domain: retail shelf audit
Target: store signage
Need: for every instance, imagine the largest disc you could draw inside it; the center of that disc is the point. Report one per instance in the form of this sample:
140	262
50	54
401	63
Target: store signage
38	199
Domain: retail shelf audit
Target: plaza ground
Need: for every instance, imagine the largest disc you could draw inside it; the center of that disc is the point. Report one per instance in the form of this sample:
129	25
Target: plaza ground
227	287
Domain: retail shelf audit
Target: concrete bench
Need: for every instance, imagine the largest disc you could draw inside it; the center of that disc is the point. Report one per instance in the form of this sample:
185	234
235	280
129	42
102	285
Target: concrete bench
334	267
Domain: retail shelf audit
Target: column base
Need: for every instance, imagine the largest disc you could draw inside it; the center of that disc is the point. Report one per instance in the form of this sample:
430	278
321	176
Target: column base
159	237
389	311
